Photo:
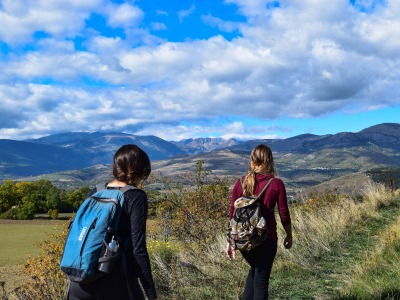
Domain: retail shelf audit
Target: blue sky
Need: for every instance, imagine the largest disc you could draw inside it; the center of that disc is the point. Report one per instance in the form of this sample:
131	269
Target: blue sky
184	69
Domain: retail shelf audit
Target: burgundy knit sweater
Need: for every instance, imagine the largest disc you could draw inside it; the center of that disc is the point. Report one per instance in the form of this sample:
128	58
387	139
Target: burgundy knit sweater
275	195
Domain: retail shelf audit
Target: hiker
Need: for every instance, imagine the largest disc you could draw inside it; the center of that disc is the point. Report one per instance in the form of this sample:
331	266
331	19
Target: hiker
131	166
261	257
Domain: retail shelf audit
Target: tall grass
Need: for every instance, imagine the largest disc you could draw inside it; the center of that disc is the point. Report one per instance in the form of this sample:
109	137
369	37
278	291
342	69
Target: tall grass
377	275
185	272
320	222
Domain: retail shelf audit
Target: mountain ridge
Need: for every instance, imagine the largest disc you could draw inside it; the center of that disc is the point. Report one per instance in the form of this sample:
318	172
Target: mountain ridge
302	159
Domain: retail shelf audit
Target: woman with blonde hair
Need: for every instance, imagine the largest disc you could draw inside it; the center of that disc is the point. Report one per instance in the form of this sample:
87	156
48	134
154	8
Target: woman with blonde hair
261	258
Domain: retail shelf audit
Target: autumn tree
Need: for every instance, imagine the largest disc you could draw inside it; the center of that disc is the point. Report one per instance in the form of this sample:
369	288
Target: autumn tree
75	198
8	195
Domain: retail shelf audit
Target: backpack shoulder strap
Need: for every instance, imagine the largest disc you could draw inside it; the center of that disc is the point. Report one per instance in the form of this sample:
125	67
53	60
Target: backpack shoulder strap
127	188
265	187
103	186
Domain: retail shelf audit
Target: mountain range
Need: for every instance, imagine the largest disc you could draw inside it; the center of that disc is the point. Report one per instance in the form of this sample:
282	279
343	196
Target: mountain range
305	159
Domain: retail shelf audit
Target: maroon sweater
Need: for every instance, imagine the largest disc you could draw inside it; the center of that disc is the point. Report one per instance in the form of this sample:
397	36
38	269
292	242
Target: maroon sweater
275	194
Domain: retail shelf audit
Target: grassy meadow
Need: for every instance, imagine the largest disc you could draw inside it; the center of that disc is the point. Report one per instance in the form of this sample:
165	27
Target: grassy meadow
19	240
344	248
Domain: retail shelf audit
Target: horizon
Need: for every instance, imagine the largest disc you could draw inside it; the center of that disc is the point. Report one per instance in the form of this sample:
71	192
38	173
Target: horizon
197	69
209	137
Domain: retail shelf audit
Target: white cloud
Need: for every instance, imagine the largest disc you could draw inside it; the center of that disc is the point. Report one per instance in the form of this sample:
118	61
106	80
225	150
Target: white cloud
21	19
250	8
124	15
236	130
106	45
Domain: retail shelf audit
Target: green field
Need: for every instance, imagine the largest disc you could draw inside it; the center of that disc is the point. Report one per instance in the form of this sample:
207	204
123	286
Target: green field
21	238
18	240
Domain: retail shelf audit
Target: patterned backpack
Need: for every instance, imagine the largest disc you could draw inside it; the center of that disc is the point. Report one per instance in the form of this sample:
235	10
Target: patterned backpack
248	228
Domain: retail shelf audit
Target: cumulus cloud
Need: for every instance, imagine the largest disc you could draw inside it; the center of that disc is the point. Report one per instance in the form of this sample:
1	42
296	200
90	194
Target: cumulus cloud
297	60
124	15
20	20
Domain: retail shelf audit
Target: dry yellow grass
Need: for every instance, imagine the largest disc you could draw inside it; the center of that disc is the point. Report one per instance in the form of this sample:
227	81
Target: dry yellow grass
316	226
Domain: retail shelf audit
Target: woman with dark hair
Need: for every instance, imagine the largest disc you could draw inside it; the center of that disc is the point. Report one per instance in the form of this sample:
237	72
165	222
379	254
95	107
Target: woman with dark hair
261	258
131	166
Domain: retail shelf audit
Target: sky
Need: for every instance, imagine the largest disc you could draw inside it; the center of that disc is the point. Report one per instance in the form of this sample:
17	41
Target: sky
245	69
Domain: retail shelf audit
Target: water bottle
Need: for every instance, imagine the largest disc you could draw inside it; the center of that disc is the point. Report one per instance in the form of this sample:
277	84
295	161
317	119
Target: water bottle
113	245
106	263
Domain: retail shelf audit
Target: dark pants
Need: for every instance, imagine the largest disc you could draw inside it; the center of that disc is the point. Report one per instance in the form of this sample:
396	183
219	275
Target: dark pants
260	260
109	287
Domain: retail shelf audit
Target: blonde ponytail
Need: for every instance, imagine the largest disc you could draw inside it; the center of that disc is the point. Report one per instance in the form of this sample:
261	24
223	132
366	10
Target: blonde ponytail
261	162
249	183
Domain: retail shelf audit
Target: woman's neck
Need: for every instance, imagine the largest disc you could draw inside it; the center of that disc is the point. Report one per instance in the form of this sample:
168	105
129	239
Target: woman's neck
116	183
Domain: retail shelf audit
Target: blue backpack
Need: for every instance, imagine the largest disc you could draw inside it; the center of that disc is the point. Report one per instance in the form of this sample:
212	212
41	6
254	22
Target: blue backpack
90	232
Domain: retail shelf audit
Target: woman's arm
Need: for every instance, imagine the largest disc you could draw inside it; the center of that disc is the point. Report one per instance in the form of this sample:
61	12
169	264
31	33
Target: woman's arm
284	214
137	211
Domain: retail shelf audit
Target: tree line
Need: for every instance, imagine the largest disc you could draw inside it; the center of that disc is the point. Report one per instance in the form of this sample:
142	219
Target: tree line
22	200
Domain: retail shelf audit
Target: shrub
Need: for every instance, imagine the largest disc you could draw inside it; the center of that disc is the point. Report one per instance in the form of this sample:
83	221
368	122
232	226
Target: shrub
53	213
25	211
197	212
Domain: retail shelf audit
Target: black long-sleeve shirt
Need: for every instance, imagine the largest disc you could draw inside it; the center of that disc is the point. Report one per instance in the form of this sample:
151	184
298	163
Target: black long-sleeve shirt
133	228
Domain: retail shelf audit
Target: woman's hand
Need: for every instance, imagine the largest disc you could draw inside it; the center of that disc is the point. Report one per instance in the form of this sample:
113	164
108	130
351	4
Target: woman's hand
230	252
287	242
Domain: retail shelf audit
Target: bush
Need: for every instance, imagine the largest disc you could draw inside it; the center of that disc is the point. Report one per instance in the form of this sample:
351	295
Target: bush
23	212
53	213
197	212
